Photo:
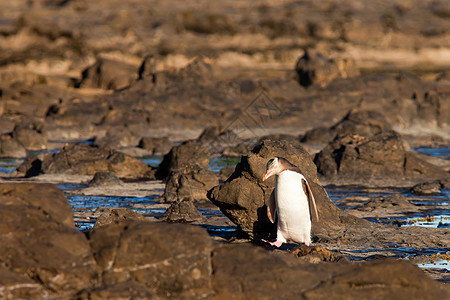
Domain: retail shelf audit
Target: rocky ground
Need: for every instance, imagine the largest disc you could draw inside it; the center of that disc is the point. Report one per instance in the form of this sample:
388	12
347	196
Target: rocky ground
344	89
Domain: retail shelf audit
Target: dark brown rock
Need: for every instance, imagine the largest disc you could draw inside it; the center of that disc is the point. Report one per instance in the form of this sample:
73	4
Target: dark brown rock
250	273
381	158
427	188
109	74
115	215
47	253
10	147
316	254
29	138
189	154
156	145
193	183
115	138
314	68
183	211
104	178
242	196
83	159
166	259
361	122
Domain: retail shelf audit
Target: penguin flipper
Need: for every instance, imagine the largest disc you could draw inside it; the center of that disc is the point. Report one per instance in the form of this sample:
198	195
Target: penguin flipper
271	207
310	196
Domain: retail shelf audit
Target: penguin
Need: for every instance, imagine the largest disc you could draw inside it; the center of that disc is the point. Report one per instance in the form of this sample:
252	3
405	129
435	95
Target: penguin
290	200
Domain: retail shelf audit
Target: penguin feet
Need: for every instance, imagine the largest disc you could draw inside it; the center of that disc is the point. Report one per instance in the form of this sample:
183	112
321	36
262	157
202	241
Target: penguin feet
276	243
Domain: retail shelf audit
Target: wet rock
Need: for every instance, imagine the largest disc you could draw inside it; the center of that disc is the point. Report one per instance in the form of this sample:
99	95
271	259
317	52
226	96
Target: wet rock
31	166
9	147
165	259
29	138
189	154
104	178
251	273
395	203
192	183
316	254
83	159
399	280
427	188
381	158
183	211
361	122
109	74
115	138
47	256
314	68
149	66
242	196
115	215
156	145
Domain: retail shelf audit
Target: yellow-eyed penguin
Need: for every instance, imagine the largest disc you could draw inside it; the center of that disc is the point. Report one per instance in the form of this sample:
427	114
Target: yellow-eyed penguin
290	201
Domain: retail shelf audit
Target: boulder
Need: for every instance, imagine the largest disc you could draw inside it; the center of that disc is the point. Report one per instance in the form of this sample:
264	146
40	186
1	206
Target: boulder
104	178
190	154
83	159
244	272
381	158
156	145
116	137
162	260
9	147
183	211
361	122
427	188
109	75
242	196
115	215
193	183
29	138
41	252
315	68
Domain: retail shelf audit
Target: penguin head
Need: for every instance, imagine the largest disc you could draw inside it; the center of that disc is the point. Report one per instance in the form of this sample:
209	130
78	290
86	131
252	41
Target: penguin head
273	168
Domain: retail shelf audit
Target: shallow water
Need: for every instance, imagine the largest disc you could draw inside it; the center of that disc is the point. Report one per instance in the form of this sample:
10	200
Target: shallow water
442	152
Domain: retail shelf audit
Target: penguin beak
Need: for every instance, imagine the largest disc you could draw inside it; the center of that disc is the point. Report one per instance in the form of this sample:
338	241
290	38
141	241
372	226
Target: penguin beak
267	175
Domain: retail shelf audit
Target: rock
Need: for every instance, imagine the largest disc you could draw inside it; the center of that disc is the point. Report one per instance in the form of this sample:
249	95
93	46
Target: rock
427	188
161	259
381	158
242	196
182	157
400	280
396	202
316	254
314	68
109	75
183	211
31	166
29	138
218	140
361	122
115	215
83	159
115	138
47	256
251	273
193	183
156	145
9	147
104	178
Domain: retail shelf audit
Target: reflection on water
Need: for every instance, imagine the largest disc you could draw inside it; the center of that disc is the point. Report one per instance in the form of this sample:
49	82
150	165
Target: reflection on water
9	165
442	152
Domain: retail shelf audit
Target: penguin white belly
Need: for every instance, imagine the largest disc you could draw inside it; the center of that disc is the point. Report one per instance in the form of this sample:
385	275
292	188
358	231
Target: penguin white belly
294	221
